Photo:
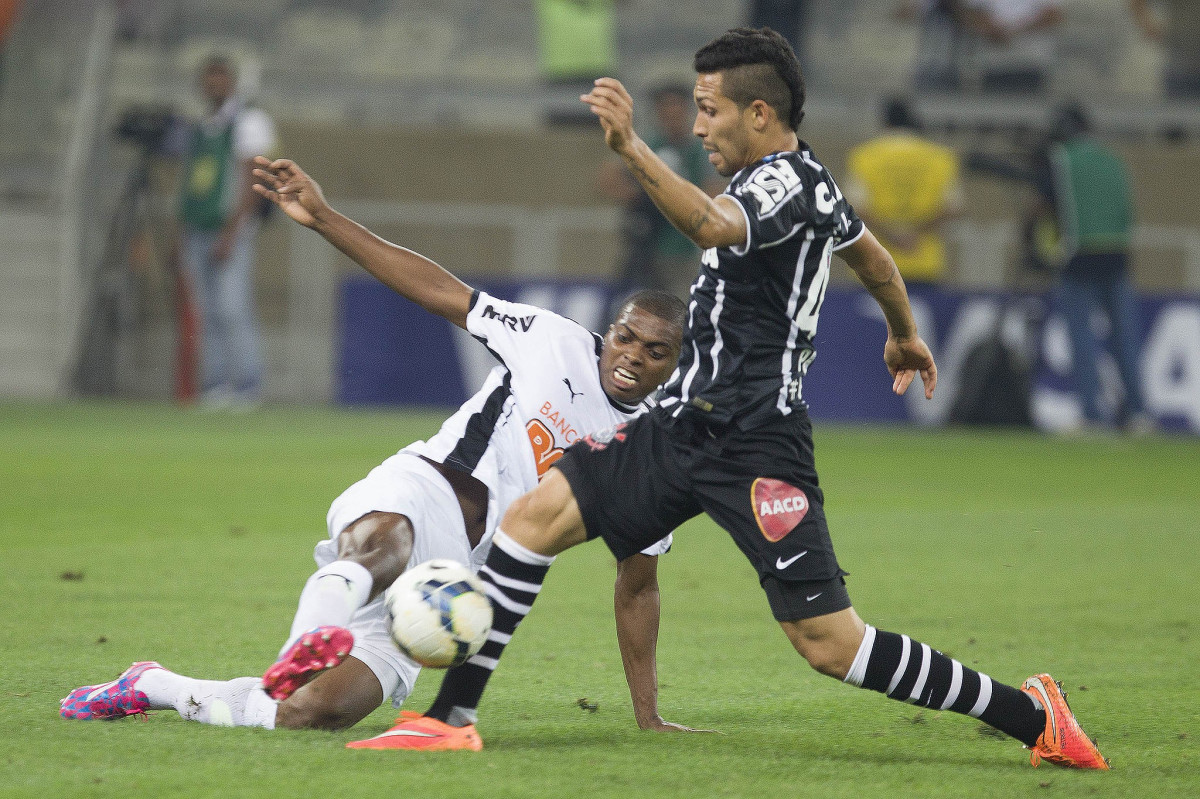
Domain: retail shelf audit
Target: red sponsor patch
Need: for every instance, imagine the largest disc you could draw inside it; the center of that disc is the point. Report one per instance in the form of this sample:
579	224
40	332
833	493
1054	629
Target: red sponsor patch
778	507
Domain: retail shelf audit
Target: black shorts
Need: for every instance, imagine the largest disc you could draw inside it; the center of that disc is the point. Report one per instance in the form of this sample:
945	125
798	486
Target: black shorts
641	480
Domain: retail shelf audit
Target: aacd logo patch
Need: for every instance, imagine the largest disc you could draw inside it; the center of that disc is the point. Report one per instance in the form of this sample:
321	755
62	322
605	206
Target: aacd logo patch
778	507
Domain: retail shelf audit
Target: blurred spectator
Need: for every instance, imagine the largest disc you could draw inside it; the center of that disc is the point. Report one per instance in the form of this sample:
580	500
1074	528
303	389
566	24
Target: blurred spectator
1085	185
938	67
577	43
1180	36
143	20
789	18
220	215
368	10
905	187
1017	42
656	254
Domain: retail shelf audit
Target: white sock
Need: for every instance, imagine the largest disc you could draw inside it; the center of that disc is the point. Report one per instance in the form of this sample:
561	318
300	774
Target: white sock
241	702
330	598
161	686
858	669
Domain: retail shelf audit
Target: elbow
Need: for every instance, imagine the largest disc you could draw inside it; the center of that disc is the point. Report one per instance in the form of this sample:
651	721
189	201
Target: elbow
719	232
717	225
707	240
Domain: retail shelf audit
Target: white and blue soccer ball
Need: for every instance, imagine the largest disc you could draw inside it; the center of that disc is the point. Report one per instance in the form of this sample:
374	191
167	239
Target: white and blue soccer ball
440	613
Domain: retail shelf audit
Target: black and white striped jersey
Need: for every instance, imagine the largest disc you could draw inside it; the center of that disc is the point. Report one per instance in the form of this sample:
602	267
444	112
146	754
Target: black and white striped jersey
753	311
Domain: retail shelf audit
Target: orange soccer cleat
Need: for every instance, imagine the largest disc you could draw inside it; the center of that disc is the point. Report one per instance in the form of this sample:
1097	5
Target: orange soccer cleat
1064	742
423	733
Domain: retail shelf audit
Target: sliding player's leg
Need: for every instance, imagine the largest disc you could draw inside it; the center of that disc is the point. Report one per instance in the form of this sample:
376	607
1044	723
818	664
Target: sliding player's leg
612	480
543	523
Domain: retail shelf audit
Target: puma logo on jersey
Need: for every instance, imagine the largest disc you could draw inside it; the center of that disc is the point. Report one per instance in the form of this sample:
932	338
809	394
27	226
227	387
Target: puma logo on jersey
778	507
574	393
509	320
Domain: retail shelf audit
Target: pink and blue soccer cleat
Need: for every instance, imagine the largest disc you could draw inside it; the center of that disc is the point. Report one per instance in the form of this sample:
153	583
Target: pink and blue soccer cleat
317	650
112	700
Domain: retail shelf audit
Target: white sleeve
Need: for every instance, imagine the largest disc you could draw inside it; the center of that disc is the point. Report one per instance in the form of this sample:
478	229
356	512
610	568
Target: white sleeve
512	330
254	134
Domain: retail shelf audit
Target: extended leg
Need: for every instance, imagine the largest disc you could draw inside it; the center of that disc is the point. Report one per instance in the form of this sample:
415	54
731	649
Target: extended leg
372	553
842	646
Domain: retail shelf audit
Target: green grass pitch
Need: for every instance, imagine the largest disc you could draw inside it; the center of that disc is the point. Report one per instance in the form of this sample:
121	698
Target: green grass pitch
149	532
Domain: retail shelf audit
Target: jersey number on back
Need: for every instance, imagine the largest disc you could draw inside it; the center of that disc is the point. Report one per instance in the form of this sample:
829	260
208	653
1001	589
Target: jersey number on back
806	317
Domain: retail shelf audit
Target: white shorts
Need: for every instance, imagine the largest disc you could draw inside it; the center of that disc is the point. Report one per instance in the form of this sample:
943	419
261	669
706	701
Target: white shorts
407	485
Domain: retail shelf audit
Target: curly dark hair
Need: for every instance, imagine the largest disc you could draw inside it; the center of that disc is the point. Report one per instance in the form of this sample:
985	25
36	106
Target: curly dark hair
756	64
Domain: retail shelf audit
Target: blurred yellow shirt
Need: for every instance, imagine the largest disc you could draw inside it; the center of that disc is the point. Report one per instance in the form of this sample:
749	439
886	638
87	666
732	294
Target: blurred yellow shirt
904	181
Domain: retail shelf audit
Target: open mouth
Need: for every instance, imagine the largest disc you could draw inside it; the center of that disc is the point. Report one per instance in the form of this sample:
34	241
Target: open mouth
624	379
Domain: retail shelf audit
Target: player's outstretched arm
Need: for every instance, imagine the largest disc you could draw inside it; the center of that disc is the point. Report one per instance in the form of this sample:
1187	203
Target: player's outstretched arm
905	354
636	601
408	273
708	221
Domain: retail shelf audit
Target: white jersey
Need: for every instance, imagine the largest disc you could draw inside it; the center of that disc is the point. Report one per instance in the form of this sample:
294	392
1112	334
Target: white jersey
545	395
542	398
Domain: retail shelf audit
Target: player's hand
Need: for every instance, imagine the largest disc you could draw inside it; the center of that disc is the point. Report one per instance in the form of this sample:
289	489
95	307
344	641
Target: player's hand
610	102
288	186
658	724
905	359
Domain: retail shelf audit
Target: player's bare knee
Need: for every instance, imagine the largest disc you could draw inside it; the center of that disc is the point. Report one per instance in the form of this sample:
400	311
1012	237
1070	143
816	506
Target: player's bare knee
827	660
828	643
517	519
546	520
380	542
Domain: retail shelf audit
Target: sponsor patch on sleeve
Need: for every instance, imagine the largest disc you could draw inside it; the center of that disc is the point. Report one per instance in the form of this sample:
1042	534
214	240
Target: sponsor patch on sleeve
778	507
512	322
770	185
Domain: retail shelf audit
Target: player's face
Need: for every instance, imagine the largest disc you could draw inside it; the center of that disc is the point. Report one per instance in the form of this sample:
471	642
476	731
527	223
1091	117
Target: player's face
721	125
640	352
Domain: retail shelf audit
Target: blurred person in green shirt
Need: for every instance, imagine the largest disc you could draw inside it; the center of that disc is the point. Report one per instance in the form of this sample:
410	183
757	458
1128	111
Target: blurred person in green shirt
1083	185
577	43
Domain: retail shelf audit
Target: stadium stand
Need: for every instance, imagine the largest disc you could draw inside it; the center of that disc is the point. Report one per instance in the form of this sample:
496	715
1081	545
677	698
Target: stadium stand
458	80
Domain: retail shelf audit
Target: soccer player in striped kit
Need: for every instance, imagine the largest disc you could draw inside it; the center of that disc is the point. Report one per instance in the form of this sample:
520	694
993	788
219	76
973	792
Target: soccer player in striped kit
731	435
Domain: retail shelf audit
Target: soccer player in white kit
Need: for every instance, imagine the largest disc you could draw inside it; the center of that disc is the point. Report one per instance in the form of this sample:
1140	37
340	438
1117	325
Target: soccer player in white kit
440	498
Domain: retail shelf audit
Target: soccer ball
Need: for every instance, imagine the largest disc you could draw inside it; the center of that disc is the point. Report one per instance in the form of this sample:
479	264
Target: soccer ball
440	613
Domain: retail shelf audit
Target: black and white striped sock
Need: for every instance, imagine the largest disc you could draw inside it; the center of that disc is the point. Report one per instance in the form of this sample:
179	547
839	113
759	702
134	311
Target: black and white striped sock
513	575
912	672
